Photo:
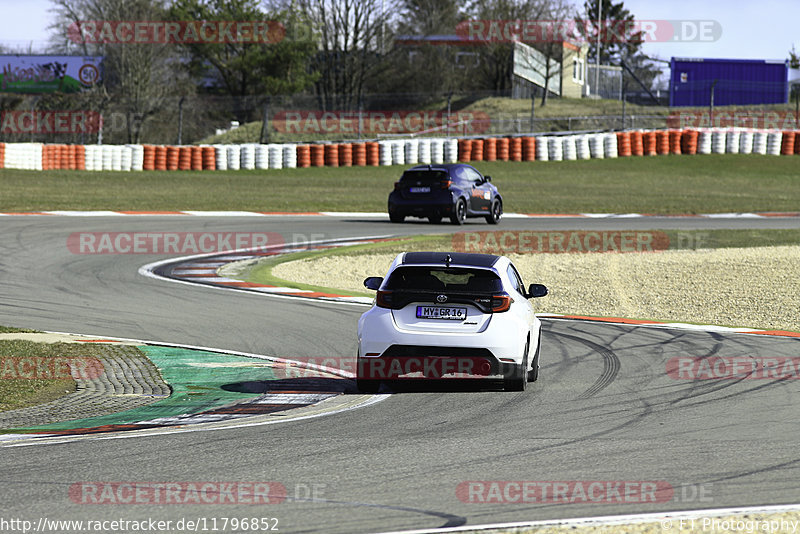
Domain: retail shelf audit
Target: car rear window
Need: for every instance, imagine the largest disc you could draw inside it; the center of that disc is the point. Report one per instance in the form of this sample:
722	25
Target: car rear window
444	279
425	177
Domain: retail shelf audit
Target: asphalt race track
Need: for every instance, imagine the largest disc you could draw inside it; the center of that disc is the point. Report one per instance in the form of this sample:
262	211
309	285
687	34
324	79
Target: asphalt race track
603	410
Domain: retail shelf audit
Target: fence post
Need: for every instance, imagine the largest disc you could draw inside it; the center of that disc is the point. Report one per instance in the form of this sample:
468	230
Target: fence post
264	136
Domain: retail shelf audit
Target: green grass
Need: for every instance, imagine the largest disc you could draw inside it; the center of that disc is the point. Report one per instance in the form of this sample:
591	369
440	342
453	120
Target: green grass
550	117
659	185
261	272
20	393
12	330
499	109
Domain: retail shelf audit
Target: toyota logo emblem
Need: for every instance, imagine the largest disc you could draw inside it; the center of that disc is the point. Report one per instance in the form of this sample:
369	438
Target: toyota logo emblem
441	298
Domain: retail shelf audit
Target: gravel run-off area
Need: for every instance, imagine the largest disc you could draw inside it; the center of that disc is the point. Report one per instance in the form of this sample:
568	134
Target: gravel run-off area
744	287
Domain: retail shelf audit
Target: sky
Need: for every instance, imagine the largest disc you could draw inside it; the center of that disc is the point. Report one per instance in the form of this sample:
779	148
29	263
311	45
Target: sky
751	29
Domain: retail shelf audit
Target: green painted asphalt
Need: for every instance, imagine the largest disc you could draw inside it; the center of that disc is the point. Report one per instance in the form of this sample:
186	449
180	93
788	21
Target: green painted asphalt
196	378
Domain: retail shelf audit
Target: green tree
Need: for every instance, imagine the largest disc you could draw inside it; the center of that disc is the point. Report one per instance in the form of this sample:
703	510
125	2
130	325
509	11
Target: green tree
247	69
419	23
620	41
428	17
615	41
794	59
496	65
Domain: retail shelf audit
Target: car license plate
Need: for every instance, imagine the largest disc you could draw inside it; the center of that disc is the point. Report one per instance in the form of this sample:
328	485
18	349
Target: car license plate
441	312
420	189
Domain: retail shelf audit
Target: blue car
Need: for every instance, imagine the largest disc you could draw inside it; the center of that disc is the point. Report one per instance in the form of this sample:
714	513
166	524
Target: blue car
453	190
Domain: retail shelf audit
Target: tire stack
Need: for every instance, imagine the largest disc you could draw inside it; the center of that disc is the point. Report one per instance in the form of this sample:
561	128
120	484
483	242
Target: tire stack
787	143
451	150
674	141
624	143
555	148
610	146
689	142
732	141
541	150
304	156
289	153
275	154
746	142
503	148
569	151
424	151
346	155
477	150
760	142
596	142
582	146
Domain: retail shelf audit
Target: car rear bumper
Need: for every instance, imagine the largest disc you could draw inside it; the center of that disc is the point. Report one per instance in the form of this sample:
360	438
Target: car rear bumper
439	203
409	209
501	343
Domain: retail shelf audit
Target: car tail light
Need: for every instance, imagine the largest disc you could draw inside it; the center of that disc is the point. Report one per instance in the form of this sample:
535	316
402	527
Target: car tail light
501	303
383	299
446	184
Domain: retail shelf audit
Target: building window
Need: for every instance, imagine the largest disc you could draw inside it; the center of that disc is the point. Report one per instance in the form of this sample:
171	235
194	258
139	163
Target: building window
577	71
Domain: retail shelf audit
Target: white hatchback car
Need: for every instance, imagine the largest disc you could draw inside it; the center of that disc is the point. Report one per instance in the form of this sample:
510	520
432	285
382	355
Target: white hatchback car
449	315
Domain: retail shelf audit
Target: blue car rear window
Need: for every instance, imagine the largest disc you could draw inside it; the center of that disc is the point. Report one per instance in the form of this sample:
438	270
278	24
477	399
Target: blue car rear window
426	177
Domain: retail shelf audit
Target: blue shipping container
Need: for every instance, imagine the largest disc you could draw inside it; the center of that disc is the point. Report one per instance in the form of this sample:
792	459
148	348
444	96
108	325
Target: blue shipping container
735	82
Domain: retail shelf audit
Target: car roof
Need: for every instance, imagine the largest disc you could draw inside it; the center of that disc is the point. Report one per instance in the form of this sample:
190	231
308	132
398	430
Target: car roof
457	259
439	167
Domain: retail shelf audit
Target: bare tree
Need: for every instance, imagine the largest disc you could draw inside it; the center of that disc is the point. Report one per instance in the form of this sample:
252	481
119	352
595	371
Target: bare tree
139	78
496	64
351	37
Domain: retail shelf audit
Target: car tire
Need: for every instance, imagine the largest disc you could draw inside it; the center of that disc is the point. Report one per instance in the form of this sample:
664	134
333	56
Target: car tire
367	385
533	374
436	219
395	218
495	212
519	379
459	212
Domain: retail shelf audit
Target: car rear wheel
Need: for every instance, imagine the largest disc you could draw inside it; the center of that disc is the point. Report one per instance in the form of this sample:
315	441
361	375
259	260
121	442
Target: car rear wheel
533	374
395	218
367	385
519	380
459	213
495	213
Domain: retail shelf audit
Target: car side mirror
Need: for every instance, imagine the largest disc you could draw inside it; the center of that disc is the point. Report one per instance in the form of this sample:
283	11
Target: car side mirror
487	178
373	282
536	290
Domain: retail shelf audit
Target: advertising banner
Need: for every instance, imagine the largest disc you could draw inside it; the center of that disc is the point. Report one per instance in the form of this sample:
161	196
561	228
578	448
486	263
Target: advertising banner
48	74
